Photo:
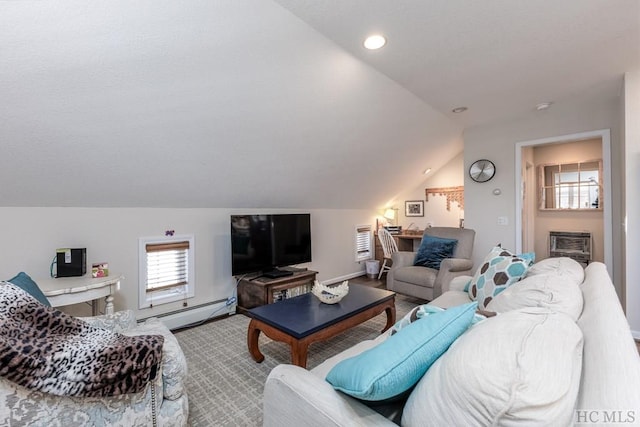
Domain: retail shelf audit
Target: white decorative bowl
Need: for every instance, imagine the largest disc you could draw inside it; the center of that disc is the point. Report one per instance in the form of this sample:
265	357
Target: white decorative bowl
330	294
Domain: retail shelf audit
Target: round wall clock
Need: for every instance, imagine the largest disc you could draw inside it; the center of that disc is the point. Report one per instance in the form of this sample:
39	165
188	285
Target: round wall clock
482	170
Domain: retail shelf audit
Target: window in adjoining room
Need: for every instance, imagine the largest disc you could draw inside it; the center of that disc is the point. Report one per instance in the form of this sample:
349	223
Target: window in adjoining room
575	186
166	268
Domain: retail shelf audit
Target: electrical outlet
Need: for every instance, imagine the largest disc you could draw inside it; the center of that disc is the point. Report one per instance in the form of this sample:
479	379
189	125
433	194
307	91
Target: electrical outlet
503	220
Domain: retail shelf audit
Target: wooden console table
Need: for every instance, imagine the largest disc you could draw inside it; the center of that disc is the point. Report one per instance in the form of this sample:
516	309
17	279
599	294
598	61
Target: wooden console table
262	290
73	290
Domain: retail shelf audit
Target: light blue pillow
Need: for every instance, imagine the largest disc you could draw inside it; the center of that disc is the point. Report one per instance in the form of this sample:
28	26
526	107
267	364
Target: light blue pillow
433	250
397	364
529	257
26	283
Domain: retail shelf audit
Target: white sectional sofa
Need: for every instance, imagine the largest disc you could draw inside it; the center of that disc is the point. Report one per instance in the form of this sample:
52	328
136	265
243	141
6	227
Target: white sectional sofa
559	352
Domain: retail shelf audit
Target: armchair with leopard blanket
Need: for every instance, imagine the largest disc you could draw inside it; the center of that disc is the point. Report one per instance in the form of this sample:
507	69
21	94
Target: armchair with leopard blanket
58	370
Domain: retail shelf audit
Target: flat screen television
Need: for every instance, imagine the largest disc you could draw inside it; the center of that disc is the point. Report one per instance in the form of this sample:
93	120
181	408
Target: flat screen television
262	243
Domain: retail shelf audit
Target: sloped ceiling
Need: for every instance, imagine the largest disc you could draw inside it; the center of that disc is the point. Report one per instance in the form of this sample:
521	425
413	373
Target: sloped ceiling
167	103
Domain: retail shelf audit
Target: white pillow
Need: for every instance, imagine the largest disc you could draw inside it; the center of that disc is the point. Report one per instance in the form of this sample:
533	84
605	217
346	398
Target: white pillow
520	367
561	266
552	291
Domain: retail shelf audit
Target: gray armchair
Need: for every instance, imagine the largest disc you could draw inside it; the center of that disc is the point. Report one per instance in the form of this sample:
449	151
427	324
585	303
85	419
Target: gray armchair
428	283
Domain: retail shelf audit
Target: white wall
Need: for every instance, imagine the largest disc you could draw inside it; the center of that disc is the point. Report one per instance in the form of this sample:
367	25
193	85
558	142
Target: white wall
632	213
30	237
497	143
435	210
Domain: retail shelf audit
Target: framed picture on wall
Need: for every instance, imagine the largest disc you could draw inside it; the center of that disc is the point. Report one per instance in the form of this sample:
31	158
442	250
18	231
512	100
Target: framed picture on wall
414	208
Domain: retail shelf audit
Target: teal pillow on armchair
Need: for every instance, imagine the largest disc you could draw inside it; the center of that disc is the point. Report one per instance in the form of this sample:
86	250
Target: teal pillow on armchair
433	250
26	283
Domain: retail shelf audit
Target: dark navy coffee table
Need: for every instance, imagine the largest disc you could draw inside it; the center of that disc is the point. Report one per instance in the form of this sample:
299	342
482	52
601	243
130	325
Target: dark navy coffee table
303	320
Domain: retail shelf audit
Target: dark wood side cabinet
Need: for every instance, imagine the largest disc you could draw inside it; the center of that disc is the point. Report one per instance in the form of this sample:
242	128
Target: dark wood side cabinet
262	290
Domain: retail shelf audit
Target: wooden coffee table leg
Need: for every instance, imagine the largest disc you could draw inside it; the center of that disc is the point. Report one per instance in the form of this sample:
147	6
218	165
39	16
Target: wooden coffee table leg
390	310
299	352
253	334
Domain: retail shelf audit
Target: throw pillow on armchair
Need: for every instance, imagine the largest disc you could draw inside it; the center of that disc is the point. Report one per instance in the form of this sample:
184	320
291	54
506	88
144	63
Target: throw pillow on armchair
433	250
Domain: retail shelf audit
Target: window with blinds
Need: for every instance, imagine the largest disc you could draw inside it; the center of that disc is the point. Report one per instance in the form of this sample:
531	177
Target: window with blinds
166	270
167	265
364	249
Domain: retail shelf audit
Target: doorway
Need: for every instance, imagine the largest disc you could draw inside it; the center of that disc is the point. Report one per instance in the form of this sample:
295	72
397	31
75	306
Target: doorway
526	205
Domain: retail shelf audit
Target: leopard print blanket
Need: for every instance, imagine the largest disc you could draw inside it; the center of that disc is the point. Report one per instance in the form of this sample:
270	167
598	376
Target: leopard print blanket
44	349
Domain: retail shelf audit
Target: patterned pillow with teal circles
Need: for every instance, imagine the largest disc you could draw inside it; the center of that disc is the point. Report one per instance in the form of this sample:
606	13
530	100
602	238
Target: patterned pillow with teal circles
433	250
530	257
499	270
395	365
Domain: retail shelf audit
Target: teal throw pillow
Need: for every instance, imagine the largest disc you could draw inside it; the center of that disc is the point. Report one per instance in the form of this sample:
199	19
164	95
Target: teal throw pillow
433	250
499	270
397	364
26	283
529	257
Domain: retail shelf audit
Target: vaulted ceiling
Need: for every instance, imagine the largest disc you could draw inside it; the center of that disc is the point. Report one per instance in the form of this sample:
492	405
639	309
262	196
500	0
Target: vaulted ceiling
275	104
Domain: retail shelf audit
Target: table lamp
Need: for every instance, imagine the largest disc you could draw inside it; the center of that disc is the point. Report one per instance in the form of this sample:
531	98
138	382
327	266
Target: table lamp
390	215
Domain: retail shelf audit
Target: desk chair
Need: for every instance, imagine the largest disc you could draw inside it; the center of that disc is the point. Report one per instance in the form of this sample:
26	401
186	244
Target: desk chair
389	247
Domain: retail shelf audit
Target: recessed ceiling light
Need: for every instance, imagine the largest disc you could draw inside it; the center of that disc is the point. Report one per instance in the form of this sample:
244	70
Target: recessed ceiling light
427	171
543	106
459	110
375	41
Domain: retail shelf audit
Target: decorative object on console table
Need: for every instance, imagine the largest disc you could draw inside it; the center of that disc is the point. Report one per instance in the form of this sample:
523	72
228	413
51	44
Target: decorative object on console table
262	291
74	290
100	270
453	194
414	208
71	262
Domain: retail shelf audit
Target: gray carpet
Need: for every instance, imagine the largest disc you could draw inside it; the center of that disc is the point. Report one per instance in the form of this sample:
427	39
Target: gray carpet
225	384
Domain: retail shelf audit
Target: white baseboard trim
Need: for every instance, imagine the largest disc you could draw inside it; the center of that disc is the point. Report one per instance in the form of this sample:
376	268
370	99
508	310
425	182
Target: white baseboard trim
343	278
190	315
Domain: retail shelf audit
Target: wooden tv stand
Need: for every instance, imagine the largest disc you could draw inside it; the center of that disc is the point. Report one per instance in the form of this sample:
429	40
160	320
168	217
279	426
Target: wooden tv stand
262	290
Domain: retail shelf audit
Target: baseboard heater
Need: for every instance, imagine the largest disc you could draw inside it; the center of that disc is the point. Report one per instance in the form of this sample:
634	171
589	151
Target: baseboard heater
572	244
189	315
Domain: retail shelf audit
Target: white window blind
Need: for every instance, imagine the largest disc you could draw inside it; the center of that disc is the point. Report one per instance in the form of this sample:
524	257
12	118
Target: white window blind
166	270
167	265
363	243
